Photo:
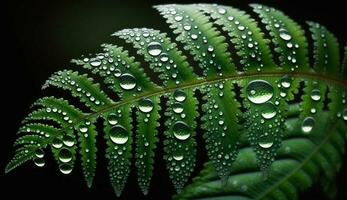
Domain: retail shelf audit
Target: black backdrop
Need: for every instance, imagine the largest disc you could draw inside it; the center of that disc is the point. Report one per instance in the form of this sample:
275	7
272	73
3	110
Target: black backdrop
40	37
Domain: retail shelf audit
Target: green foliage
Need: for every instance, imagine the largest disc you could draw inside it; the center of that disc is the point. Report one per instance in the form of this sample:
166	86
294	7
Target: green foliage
272	122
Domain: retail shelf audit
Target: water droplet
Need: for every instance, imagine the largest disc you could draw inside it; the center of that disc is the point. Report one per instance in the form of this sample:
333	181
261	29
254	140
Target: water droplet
308	124
222	11
181	130
127	81
146	105
285	81
187	27
65	155
284	34
39	153
180	95
68	141
268	110
95	62
164	57
40	162
266	141
119	135
177	108
112	119
194	36
259	91
178	157
315	95
154	48
344	114
83	128
57	143
65	168
178	18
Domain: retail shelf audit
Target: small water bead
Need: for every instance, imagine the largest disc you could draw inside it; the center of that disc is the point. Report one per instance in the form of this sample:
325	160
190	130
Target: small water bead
210	48
83	128
181	130
230	18
187	27
259	91
222	11
127	81
164	57
313	110
65	168
154	48
146	105
266	142
285	81
119	135
57	143
180	95
40	162
65	155
112	119
178	156
308	124
178	18
68	140
284	34
344	114
39	153
95	62
315	95
194	36
177	107
241	28
268	110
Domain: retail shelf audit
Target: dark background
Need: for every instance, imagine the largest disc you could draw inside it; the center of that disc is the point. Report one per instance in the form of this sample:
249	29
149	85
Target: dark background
41	37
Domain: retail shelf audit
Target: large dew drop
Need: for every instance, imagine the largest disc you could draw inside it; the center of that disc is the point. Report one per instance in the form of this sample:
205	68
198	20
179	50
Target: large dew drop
266	142
65	155
68	141
180	96
119	135
181	130
177	107
259	91
285	35
40	162
315	95
65	168
308	124
154	48
268	110
112	119
83	128
146	105
127	81
39	153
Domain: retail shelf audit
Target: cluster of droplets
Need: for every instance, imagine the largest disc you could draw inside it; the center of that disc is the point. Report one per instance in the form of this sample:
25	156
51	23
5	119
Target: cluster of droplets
64	147
288	47
343	113
316	97
64	114
251	56
156	50
324	45
192	35
264	120
64	79
118	134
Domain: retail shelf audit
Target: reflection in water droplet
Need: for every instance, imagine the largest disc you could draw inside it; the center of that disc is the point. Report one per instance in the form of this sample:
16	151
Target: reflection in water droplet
65	155
285	81
266	141
83	128
181	130
95	62
119	135
164	57
259	91
57	143
65	168
308	124
178	157
179	95
315	95
39	153
112	119
40	162
268	110
146	105
177	108
285	35
127	81
154	48
68	141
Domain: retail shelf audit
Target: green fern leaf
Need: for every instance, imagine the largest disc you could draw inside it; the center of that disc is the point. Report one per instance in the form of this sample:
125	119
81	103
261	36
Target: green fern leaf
272	123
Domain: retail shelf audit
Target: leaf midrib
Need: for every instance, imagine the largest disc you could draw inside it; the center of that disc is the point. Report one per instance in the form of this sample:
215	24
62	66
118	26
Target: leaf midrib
201	82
